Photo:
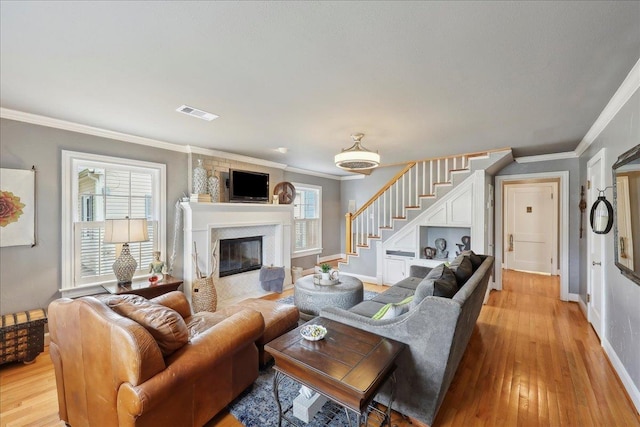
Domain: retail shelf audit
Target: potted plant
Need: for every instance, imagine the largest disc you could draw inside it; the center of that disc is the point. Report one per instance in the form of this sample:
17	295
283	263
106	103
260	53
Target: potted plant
326	271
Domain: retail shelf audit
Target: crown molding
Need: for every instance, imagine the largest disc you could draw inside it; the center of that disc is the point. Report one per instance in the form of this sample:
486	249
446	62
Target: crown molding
236	157
312	173
51	122
547	157
351	177
36	119
628	87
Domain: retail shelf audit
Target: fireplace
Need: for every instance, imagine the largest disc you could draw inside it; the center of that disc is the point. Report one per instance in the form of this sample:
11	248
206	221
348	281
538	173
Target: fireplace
240	255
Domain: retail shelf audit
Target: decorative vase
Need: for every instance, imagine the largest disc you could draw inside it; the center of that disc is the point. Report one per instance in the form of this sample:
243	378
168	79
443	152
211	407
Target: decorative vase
214	188
203	295
199	179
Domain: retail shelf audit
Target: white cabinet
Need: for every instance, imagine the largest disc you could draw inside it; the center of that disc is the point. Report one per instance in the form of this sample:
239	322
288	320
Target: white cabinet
457	210
395	269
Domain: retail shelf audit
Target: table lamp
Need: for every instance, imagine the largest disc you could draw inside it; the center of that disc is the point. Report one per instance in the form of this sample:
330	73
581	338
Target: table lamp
125	231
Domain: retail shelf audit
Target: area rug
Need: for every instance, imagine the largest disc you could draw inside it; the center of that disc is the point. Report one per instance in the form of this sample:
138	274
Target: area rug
256	407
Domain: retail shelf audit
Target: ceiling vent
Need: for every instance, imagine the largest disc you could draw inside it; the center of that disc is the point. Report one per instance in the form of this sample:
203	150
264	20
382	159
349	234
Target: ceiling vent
196	113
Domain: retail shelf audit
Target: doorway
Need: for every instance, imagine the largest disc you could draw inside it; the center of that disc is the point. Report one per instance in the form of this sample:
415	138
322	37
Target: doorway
531	226
559	265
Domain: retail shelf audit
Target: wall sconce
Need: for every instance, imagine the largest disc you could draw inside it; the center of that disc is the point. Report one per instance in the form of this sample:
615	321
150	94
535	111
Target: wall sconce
601	214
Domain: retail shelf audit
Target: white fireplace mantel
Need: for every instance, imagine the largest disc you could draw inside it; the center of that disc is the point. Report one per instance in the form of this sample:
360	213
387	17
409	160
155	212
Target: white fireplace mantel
205	222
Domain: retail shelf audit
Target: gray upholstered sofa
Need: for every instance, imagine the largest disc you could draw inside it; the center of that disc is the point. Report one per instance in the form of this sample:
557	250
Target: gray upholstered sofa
436	330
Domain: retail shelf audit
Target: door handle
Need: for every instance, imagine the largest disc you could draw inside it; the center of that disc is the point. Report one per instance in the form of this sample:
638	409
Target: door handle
595	263
510	243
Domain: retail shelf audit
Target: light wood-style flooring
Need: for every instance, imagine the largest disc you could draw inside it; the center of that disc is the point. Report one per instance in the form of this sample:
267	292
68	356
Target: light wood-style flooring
533	360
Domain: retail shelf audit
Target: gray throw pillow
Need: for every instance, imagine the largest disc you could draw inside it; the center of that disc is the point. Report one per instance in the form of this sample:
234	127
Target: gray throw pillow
437	272
440	282
462	268
424	289
475	259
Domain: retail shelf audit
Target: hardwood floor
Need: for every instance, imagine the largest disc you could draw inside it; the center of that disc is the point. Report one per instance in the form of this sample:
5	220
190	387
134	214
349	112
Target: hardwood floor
532	360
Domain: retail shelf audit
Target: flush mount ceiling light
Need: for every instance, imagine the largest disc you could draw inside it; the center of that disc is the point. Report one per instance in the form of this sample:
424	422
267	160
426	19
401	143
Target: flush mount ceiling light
190	111
357	157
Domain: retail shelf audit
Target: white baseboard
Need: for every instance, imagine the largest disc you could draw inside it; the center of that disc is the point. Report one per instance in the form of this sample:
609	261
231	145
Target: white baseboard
631	388
573	297
368	279
584	308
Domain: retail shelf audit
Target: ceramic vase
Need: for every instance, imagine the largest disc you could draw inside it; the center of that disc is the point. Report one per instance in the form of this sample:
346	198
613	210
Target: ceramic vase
214	188
199	179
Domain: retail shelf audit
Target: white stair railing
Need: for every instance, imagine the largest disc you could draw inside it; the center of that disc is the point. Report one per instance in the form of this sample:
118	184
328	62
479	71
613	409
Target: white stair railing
404	191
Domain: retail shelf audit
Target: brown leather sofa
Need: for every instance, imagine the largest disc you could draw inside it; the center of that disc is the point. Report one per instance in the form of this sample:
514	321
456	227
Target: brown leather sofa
111	371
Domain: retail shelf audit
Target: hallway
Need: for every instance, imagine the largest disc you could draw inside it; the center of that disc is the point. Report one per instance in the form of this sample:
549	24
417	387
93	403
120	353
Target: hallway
534	360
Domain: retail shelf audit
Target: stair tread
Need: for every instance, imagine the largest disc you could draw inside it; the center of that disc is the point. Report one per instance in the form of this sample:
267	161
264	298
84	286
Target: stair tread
427	195
459	170
412	207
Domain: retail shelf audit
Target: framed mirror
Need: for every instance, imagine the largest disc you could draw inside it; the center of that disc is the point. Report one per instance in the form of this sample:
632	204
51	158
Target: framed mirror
626	205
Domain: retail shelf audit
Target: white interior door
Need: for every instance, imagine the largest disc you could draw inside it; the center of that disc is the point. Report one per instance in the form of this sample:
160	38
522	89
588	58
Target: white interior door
531	219
596	248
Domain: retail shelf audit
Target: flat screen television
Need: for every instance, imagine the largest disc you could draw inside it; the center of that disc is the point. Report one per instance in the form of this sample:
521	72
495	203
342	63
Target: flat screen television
247	186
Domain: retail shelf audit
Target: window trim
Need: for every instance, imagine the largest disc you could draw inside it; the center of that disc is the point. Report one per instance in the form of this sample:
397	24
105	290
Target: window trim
313	251
70	161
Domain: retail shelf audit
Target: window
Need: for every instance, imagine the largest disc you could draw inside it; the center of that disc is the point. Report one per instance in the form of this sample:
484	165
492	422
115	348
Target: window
307	209
96	188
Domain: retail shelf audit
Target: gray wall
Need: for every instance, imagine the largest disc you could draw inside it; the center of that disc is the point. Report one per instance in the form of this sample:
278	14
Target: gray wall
30	277
573	166
332	216
622	296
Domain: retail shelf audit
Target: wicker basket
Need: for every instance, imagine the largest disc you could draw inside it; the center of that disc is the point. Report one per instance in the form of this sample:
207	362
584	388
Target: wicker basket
203	295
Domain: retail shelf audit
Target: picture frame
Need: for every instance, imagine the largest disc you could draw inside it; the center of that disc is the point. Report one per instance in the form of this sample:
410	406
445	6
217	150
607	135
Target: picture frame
17	207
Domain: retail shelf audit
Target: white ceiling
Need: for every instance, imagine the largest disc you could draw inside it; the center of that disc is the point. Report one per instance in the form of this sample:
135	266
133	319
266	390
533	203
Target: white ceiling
420	79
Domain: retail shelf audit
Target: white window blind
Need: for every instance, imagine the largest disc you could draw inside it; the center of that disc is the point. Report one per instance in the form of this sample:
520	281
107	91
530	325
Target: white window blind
307	208
97	188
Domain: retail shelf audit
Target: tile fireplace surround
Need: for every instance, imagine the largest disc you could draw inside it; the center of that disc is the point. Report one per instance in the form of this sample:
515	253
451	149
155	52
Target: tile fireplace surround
206	223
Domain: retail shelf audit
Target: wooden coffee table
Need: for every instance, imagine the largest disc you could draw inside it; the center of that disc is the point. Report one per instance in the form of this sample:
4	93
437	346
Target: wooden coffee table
348	365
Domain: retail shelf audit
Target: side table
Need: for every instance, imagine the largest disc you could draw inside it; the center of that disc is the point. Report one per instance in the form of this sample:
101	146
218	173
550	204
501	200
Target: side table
145	288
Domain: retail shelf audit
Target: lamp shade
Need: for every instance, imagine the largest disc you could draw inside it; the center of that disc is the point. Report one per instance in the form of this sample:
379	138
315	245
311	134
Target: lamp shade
126	230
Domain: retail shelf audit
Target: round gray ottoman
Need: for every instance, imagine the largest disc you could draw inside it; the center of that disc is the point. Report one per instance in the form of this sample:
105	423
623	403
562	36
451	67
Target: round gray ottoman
311	298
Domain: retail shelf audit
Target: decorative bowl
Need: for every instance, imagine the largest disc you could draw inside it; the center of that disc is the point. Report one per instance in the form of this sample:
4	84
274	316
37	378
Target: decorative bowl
313	332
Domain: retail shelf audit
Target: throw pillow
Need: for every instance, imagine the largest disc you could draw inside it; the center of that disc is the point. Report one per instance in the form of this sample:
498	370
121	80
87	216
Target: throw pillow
474	258
462	268
392	310
437	272
440	282
165	325
424	289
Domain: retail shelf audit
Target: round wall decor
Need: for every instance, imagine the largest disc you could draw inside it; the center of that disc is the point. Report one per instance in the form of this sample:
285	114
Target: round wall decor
286	192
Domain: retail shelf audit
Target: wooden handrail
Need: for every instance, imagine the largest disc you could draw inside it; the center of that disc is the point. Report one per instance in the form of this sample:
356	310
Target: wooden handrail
474	154
392	181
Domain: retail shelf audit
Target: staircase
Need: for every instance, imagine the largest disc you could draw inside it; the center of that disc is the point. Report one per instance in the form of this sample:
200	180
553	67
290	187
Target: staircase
415	188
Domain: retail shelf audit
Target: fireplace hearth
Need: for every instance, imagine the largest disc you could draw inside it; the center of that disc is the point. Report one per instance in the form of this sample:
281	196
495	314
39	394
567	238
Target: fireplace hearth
240	255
